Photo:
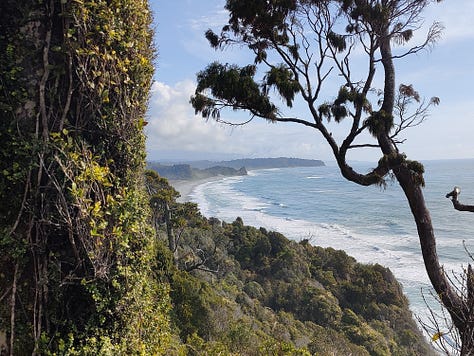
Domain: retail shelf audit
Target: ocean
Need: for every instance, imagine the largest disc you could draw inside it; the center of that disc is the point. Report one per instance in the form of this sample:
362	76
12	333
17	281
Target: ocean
372	224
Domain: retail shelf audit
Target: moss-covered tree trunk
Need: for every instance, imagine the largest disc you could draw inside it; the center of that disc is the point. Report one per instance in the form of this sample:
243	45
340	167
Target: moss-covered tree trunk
76	251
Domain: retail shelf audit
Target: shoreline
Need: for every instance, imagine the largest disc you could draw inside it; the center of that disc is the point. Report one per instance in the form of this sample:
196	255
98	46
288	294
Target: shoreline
185	187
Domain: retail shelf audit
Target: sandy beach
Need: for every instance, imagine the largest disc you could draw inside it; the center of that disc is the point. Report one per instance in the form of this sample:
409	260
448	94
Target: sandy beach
186	187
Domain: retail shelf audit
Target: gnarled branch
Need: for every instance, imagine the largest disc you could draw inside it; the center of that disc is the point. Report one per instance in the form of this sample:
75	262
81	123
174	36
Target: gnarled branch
456	204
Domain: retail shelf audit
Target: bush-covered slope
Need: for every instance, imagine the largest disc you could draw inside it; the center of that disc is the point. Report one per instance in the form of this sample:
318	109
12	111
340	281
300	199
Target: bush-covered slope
246	291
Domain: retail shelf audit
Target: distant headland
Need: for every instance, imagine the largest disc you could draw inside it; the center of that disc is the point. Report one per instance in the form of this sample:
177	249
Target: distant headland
237	167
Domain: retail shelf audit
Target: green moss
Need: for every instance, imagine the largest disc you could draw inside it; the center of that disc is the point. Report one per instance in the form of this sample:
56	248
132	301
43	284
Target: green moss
379	122
75	81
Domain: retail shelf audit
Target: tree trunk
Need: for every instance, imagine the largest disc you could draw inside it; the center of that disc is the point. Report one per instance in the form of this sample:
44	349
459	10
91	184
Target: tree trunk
450	299
169	231
414	194
13	309
59	122
467	332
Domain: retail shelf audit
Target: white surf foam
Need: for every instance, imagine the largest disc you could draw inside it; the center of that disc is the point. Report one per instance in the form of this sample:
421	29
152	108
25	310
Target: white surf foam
400	253
385	250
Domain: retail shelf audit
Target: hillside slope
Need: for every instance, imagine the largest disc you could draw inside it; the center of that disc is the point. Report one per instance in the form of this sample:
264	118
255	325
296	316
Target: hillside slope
239	290
270	295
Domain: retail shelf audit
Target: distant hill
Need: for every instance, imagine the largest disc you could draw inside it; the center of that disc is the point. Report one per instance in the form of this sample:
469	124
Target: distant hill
236	167
177	171
220	171
186	172
258	163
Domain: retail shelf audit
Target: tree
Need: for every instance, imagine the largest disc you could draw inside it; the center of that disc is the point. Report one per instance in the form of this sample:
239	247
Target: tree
178	218
162	196
76	251
300	48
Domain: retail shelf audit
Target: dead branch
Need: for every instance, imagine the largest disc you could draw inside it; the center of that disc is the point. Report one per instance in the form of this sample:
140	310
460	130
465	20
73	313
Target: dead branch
456	204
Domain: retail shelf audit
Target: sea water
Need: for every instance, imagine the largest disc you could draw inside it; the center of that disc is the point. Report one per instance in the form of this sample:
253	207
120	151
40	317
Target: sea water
372	224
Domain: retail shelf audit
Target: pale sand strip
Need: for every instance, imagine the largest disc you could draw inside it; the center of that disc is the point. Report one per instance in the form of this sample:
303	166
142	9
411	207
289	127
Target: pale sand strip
186	187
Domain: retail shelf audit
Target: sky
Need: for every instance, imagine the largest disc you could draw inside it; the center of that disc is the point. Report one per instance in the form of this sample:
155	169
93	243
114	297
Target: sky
174	133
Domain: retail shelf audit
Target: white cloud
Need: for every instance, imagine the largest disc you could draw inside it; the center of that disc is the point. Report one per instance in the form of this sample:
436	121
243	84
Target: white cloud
215	20
172	123
174	127
444	73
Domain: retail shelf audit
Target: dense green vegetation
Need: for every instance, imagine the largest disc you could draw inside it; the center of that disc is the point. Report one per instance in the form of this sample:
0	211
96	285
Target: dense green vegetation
78	270
241	290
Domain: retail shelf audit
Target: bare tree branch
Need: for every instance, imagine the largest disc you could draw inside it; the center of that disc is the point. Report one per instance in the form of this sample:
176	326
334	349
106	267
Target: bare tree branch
456	204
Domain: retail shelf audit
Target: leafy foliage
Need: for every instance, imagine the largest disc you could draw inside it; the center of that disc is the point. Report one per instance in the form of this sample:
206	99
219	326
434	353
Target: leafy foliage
260	19
269	295
233	84
317	287
81	268
80	271
282	78
337	41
